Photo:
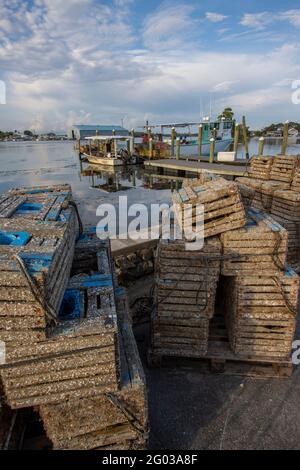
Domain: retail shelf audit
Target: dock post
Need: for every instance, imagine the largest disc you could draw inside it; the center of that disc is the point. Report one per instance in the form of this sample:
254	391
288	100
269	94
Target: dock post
128	146
212	150
261	146
132	141
173	138
236	138
200	136
115	143
177	148
150	148
285	138
245	138
98	145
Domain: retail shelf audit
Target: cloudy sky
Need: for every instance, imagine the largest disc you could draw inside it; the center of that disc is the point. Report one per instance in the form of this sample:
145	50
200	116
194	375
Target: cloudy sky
100	61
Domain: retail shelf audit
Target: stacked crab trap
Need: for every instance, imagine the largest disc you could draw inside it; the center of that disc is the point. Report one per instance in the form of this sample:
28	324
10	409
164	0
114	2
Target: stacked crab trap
234	302
69	349
278	194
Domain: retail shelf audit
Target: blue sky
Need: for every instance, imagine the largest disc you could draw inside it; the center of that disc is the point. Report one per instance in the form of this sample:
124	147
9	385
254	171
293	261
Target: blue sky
100	61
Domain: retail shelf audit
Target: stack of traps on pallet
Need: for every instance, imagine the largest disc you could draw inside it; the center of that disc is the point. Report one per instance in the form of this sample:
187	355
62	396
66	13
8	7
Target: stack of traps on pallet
186	279
85	378
186	284
37	237
221	201
261	294
259	314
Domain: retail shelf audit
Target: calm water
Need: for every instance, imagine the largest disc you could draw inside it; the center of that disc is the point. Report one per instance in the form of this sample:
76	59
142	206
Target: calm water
41	163
29	164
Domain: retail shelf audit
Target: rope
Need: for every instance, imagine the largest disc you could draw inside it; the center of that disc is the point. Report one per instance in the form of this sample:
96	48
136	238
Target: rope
264	205
247	164
128	415
35	290
208	258
275	254
80	225
287	301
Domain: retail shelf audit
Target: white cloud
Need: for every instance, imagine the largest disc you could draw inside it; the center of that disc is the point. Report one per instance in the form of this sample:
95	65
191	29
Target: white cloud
215	17
293	16
263	19
285	82
224	86
168	26
80	60
257	20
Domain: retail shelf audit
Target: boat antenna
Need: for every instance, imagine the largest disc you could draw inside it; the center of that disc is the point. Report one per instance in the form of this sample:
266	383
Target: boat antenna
201	109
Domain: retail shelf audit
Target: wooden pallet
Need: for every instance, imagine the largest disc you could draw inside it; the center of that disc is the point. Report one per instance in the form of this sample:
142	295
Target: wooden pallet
220	359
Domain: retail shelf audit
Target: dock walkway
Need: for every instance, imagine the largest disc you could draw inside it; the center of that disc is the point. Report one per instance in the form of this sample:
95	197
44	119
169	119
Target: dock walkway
197	167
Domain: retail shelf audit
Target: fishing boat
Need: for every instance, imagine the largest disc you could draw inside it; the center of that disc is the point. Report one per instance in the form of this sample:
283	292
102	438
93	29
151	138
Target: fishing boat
220	130
109	151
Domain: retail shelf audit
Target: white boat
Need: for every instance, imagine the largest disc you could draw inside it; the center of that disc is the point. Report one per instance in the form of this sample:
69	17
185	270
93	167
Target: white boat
104	161
111	150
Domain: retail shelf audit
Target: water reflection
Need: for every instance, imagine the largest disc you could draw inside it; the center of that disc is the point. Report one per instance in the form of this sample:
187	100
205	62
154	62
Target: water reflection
116	179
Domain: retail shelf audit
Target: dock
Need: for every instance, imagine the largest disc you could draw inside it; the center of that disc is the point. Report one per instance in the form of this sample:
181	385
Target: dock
196	167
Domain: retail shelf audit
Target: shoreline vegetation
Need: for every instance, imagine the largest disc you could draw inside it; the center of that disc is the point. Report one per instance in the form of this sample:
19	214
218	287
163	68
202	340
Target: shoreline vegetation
272	131
28	136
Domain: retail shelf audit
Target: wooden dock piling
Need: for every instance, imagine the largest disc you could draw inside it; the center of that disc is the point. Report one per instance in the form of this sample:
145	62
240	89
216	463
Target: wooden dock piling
212	150
200	136
177	148
244	127
132	141
173	139
236	138
285	138
150	148
261	146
